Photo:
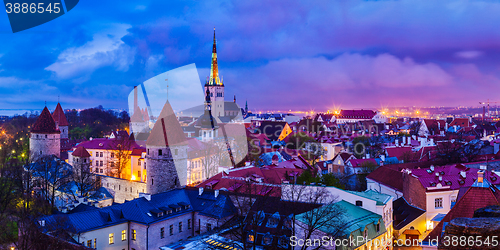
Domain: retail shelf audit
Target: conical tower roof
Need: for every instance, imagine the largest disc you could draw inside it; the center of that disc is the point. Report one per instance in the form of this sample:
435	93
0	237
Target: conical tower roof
81	152
167	131
45	124
137	116
59	116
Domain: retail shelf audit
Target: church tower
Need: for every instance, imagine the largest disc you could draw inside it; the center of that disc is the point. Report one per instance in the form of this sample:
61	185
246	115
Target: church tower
61	121
166	153
206	125
215	85
45	138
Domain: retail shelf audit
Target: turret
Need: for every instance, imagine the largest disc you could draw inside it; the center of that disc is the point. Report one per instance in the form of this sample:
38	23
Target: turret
45	137
166	153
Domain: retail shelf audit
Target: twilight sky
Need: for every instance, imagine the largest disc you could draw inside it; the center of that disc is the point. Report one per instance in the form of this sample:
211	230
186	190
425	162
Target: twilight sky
280	54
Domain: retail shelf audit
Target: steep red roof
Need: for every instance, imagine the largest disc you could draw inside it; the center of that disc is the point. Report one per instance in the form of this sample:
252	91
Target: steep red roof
59	116
45	124
451	177
397	151
387	176
81	152
359	162
462	122
167	131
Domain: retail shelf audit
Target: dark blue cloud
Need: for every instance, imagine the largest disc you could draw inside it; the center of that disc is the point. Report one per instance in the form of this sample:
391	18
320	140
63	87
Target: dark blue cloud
277	54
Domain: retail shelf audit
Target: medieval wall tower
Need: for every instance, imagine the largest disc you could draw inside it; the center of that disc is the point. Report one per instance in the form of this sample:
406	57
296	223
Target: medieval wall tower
61	121
45	138
166	153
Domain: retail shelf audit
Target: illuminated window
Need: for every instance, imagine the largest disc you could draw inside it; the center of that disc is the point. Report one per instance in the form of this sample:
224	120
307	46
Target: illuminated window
112	155
89	243
251	237
95	242
438	203
124	234
134	234
111	238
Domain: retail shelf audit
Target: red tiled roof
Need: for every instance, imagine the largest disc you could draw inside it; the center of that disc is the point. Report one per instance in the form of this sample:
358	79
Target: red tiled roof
359	162
81	152
167	131
105	144
387	176
237	178
397	151
473	199
45	124
462	122
451	176
59	116
138	151
358	114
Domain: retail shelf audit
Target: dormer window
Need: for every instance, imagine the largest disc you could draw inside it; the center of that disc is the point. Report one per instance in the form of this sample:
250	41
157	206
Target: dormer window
273	221
359	203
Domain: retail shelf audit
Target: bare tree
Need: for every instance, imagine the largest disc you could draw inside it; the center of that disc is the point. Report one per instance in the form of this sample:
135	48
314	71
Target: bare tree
121	148
327	219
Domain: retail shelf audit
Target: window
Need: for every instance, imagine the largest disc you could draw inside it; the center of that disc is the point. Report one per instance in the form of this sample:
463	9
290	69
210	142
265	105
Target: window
45	136
96	154
124	235
148	151
160	152
251	237
101	170
267	239
101	163
97	163
171	229
359	203
95	242
189	224
438	203
101	154
112	155
134	234
272	222
112	164
209	227
111	238
378	227
139	162
283	241
180	227
89	243
162	232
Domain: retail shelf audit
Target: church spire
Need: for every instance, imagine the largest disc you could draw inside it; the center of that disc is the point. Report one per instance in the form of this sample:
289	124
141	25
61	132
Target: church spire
214	69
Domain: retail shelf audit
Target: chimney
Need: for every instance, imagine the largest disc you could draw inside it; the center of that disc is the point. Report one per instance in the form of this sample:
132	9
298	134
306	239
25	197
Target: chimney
200	191
480	175
463	174
145	195
216	193
432	168
483	167
135	98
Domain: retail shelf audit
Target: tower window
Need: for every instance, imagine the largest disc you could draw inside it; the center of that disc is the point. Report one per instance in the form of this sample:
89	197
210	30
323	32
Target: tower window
160	152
